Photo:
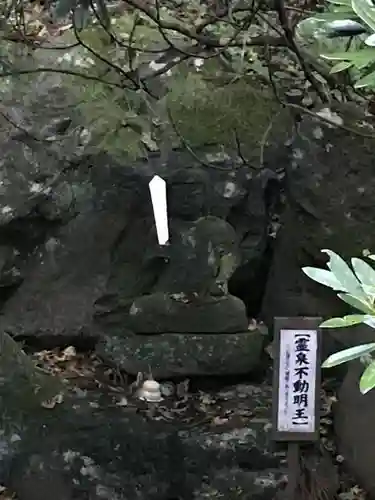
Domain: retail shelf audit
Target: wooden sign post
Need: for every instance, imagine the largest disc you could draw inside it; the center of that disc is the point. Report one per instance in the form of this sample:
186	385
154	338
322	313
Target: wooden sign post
296	388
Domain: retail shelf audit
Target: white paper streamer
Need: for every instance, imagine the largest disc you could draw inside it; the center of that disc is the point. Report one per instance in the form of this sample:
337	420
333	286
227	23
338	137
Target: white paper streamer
158	190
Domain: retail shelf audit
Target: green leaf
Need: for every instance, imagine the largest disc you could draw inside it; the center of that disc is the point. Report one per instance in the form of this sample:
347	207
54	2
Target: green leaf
350	320
323	277
344	275
147	139
365	273
348	355
367	380
341	66
338	56
340	9
359	58
370	321
370	292
366	81
365	11
361	61
343	15
347	3
356	303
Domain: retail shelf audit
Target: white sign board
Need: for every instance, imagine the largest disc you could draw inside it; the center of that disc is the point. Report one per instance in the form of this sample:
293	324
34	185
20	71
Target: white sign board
296	410
158	191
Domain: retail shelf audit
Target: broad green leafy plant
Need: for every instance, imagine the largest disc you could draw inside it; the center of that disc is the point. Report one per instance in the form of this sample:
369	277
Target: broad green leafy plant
349	18
356	287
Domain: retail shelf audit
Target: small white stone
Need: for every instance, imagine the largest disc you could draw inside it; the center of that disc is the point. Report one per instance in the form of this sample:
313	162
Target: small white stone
134	310
298	154
150	392
69	352
167	389
69	456
14	438
87	460
36	187
51	244
229	189
90	471
318	133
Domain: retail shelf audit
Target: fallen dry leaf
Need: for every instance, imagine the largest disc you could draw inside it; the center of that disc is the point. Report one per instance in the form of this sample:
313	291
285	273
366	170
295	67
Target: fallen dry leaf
220	421
123	402
355	493
253	325
69	353
5	494
182	388
51	403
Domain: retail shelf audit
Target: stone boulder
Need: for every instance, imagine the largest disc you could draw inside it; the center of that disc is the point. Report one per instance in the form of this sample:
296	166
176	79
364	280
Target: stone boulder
92	256
354	416
68	271
176	355
64	278
161	313
180	288
330	191
38	181
91	259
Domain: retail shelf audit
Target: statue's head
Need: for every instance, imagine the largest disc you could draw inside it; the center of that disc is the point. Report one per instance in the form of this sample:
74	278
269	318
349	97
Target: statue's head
188	193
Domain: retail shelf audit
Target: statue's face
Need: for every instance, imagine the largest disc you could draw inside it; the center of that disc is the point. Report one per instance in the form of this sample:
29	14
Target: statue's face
186	200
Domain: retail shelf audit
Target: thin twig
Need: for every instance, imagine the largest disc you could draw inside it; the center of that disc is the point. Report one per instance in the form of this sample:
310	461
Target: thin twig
98	56
289	36
68	72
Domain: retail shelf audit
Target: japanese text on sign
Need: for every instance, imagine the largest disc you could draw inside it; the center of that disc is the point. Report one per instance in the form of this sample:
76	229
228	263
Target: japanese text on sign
297	380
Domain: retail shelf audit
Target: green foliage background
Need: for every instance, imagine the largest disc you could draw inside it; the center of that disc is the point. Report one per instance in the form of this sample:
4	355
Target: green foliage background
207	103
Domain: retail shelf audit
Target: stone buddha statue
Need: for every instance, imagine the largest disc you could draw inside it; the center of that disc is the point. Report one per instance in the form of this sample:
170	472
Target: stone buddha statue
186	285
202	253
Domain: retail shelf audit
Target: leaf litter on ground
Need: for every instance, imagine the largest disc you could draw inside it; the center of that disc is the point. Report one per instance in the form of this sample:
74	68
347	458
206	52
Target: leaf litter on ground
226	408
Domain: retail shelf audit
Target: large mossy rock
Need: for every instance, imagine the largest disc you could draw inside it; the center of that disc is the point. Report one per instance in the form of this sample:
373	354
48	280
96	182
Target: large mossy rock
93	257
242	110
330	192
